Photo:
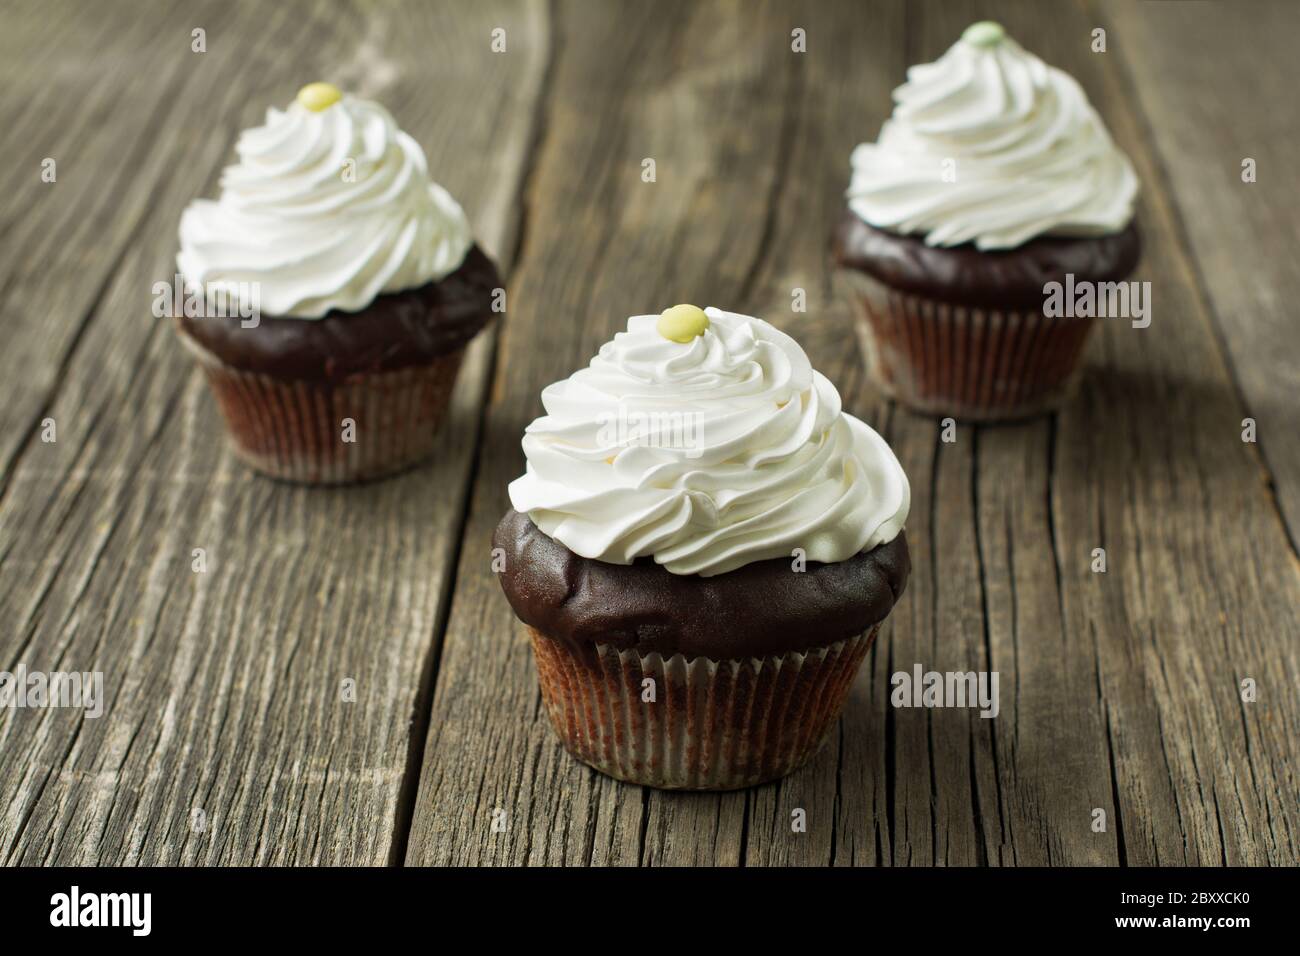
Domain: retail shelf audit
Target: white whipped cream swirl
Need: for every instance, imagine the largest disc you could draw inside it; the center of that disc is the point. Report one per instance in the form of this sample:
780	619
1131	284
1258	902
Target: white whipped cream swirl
707	455
1029	155
326	210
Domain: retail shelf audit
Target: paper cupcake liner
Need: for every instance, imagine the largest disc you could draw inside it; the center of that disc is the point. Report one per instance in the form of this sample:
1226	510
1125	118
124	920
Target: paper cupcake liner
294	430
973	364
713	725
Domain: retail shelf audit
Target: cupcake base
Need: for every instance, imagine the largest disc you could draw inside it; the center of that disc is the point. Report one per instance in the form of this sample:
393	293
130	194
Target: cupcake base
696	724
968	362
289	387
958	331
321	432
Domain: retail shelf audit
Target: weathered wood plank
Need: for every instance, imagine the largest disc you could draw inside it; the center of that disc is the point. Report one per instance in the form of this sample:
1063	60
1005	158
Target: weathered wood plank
1079	729
1119	690
1017	789
1214	85
65	239
224	687
601	245
1202	589
1086	720
1004	519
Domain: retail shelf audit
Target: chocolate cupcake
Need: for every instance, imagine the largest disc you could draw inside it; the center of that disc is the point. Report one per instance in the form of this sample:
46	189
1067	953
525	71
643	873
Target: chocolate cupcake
993	178
703	548
349	287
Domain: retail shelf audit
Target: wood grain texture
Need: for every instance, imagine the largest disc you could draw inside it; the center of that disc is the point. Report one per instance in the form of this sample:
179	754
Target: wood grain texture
1003	526
224	688
1150	465
1107	703
65	240
1204	113
1119	691
603	244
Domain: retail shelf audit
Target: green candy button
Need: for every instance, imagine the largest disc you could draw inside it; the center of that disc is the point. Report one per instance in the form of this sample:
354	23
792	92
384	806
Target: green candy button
984	33
319	96
682	323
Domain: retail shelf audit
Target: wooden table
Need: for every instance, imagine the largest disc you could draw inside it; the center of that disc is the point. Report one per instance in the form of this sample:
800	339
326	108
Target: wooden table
227	738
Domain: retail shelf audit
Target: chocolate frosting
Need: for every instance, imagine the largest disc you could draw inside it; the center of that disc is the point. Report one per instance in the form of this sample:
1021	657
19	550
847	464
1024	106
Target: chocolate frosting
1012	278
759	609
397	330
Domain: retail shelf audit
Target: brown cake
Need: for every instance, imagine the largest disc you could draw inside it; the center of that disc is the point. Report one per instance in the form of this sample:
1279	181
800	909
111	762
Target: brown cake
286	386
756	662
961	332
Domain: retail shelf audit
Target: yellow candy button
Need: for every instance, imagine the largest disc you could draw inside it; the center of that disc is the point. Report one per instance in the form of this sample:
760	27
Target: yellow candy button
682	323
319	96
984	33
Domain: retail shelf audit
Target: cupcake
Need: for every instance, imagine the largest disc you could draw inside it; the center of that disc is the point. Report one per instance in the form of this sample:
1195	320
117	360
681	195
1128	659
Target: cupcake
993	178
703	547
351	286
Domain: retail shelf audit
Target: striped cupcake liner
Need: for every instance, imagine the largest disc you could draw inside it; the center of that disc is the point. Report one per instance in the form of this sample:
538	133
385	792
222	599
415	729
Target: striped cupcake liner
299	430
969	363
695	724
